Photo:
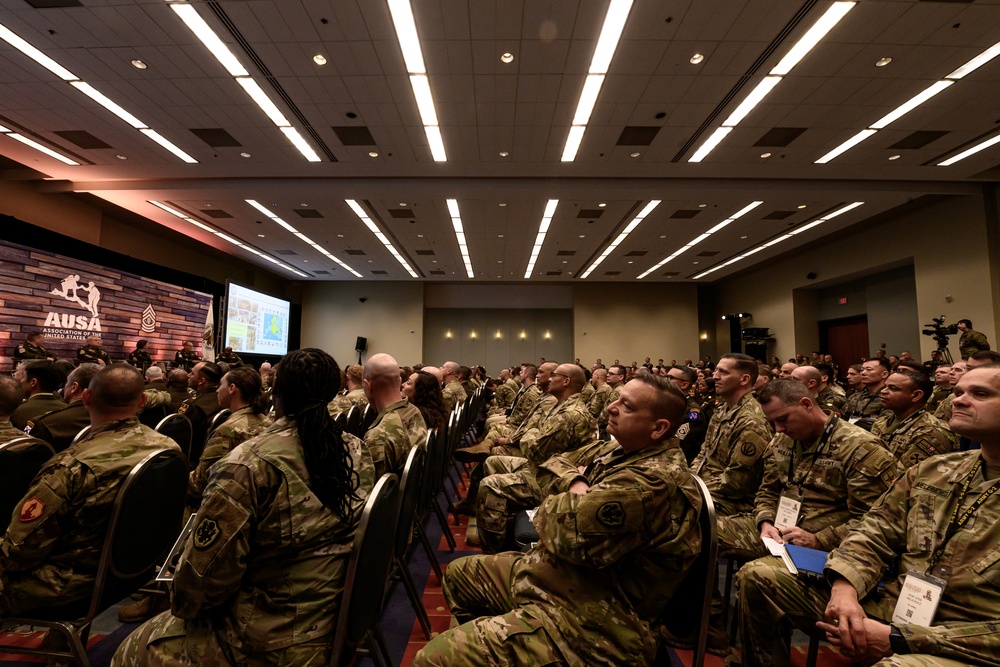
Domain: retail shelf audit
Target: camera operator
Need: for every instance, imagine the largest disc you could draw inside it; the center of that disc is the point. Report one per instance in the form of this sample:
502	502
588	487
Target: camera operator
972	341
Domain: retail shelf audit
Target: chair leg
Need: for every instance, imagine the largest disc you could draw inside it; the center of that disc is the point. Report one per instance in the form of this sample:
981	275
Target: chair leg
431	556
75	641
444	525
380	650
813	650
414	595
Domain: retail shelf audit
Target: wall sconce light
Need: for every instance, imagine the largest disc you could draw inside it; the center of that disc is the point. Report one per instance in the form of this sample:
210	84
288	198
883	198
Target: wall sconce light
498	335
704	335
523	335
473	335
548	335
447	334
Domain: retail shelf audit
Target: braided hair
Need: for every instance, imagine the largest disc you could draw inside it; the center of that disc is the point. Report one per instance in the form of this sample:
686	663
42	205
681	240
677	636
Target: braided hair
305	381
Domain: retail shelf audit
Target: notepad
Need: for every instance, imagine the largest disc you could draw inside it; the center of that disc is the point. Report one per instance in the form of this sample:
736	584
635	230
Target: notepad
808	562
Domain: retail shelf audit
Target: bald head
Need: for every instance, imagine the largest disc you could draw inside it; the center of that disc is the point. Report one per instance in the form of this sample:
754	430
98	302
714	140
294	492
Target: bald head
450	370
810	377
116	392
381	368
600	377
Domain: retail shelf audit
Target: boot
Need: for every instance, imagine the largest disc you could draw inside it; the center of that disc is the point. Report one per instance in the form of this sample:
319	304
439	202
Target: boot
475	454
145	609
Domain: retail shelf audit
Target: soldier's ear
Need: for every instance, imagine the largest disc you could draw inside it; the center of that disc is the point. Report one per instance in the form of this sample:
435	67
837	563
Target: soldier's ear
660	429
86	397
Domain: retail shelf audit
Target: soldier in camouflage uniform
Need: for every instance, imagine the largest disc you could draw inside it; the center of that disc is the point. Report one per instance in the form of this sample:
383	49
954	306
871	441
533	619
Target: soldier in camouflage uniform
399	426
229	357
564	428
261	576
730	461
834	469
924	520
971	341
452	391
50	552
93	353
943	411
33	348
59	427
524	402
942	387
503	397
691	434
186	357
816	381
616	379
865	406
911	433
599	399
11	395
615	540
355	395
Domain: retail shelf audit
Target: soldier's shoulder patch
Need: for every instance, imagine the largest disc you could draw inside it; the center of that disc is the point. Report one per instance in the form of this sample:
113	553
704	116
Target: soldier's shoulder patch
611	514
694	415
31	509
206	533
20	348
30	425
183	407
748	449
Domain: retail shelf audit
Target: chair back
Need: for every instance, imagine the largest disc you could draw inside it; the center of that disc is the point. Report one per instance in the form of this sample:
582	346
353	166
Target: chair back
699	583
152	416
341	420
178	428
367	570
80	436
434	464
354	422
218	420
20	461
367	419
145	522
409	494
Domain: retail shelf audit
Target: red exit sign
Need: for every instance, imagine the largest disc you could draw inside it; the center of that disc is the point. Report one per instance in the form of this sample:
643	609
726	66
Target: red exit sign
843	300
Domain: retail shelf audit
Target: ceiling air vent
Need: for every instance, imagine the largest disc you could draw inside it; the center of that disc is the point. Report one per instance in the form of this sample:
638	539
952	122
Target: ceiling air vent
355	252
308	213
216	137
637	135
216	213
590	213
82	139
779	137
685	213
402	213
354	135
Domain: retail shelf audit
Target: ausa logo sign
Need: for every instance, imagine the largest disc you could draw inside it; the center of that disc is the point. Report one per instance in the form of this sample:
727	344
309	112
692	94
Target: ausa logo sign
69	325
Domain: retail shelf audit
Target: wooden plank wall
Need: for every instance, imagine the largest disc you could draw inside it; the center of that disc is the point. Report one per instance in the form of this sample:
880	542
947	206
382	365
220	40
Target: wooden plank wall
28	276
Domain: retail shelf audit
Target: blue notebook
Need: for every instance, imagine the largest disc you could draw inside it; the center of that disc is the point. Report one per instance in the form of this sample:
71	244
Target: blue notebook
809	562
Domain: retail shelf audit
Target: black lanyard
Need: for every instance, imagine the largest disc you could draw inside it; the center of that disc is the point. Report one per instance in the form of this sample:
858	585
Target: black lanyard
957	521
824	439
862	411
892	434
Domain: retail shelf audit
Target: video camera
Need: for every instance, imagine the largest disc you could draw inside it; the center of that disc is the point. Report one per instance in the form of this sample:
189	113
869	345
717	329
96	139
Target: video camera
940	331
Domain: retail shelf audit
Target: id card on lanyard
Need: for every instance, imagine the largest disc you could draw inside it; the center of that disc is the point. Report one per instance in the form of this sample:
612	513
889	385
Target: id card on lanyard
787	515
918	599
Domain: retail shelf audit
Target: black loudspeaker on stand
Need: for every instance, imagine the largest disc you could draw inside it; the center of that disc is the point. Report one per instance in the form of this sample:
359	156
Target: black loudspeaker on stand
360	345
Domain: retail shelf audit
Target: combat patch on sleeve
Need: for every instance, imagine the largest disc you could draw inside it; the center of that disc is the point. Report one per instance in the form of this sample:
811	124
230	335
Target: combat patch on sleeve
694	415
206	533
748	449
31	509
610	512
182	408
30	425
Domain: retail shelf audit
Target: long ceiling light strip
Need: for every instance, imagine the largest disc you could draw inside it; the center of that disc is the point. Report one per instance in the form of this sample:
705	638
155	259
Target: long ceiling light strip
208	37
456	222
413	57
225	237
981	146
37	146
914	102
373	228
299	235
695	241
813	36
784	237
621	237
48	63
543	228
607	43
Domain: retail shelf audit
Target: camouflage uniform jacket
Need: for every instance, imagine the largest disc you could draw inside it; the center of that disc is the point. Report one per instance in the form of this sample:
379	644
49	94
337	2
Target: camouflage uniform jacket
266	561
51	550
599	400
910	522
565	427
523	405
59	427
92	355
343	402
602	419
27	350
503	398
608	562
398	428
938	394
453	394
588	391
239	427
731	459
34	407
837	478
155	398
943	411
830	401
864	404
534	419
913	440
972	341
9	432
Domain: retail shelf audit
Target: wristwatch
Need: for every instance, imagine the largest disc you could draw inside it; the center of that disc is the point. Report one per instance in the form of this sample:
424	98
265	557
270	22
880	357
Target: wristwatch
897	641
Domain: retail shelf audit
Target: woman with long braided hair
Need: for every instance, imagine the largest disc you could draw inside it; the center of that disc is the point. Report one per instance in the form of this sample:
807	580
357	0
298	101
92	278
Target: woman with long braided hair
262	573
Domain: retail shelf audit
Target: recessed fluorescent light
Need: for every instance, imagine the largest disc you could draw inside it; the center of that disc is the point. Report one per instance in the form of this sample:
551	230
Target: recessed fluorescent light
425	102
406	33
435	142
846	146
647	209
751	100
192	19
550	210
977	62
261	99
911	104
971	151
456	222
710	144
383	239
303	147
36	55
817	32
611	31
108	104
43	149
160	139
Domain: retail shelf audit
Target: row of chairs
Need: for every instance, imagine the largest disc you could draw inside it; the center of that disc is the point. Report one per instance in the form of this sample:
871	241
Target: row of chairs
357	421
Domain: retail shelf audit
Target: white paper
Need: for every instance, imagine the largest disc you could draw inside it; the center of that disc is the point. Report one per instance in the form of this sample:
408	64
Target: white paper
779	550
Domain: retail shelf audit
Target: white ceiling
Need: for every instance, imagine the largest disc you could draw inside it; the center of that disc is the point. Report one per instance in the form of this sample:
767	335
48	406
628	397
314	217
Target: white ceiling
524	108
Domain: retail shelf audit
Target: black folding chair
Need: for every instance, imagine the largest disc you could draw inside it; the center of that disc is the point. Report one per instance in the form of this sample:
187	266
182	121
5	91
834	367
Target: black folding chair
367	419
145	521
79	436
354	422
178	428
367	573
152	416
218	420
341	420
410	487
20	461
430	484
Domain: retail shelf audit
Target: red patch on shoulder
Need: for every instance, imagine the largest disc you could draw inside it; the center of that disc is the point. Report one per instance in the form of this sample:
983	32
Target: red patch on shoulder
31	509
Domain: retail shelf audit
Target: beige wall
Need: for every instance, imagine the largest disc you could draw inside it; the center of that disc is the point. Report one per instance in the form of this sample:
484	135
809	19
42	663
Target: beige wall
633	321
946	242
391	318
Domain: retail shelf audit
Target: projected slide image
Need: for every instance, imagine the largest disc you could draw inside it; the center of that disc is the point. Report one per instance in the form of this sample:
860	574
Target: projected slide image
256	323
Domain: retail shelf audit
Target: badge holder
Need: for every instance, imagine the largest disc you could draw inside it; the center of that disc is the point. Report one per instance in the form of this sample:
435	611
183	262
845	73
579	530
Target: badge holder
166	572
918	599
787	515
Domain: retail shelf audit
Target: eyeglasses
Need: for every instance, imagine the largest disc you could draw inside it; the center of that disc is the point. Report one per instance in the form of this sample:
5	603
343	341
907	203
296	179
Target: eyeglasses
552	375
